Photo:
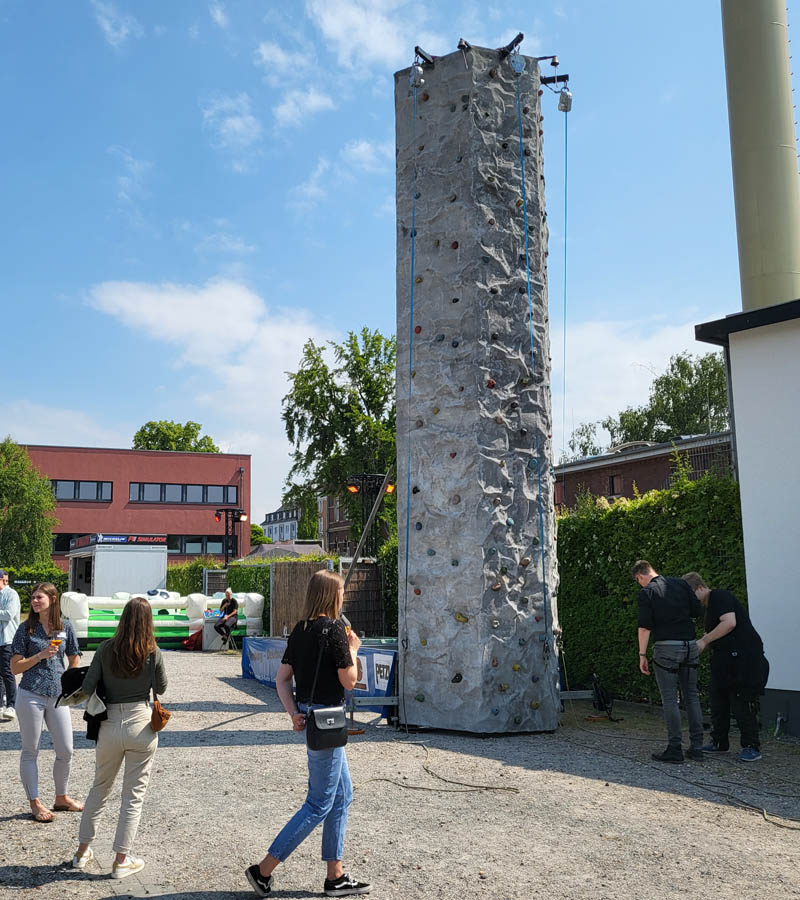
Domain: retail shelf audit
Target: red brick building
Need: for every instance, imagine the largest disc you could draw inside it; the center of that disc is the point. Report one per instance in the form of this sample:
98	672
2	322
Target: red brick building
103	491
646	465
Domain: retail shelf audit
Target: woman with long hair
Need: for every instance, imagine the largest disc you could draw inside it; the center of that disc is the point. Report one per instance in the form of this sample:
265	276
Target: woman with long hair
330	791
127	665
44	646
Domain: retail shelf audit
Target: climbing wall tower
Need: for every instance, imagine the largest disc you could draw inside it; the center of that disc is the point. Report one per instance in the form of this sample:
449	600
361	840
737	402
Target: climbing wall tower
477	585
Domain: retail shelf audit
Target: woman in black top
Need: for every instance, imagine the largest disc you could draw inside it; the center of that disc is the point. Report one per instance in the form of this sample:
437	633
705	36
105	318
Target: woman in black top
330	791
739	668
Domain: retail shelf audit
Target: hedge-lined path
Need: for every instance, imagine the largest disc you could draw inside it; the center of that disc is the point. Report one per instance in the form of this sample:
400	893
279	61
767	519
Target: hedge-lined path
589	816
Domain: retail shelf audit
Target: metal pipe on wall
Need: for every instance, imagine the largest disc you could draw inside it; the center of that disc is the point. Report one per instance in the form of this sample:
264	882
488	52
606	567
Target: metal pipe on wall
763	150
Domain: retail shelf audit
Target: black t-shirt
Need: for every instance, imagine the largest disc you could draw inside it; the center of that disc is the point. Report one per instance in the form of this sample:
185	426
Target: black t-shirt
229	606
667	607
302	652
743	636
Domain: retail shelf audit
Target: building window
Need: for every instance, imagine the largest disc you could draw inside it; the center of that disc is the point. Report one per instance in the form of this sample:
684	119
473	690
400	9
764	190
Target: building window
96	491
216	493
194	493
614	485
232	493
214	545
151	493
173	493
142	492
558	493
193	545
173	543
61	542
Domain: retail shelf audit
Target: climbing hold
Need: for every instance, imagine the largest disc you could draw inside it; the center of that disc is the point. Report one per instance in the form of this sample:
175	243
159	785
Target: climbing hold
523	601
524	381
418	279
525	561
431	551
419	423
513	404
453	344
420	697
453	455
522	642
418	526
494	663
458	158
458	677
486	259
492	550
495	711
461	389
497	501
460	617
417	195
424	642
465	98
534	678
491	221
504	145
509	521
495	336
436	410
493	290
455	299
538	618
523	432
453	198
525	108
454	245
496	586
495	623
535	704
426	97
523	290
417	591
502	688
413	373
452	107
535	541
504	570
421	147
456	499
415	490
436	242
492	73
502	464
453	562
517	720
439	338
490	178
418	329
520	202
516	667
491	383
499	420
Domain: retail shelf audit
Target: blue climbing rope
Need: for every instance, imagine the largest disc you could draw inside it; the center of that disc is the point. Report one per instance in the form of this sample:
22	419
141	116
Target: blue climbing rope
533	351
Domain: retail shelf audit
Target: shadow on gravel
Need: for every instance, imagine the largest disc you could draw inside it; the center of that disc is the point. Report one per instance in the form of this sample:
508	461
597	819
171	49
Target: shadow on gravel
26	877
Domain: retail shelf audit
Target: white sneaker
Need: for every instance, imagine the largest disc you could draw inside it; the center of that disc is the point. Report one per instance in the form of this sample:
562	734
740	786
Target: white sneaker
9	714
3	716
79	862
131	866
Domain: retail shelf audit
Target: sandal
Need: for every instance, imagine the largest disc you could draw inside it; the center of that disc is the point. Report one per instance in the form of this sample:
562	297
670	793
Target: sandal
42	815
68	807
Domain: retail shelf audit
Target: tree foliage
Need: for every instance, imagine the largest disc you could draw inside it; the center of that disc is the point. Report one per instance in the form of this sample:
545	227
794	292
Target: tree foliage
691	397
168	435
305	499
340	417
26	509
582	443
258	535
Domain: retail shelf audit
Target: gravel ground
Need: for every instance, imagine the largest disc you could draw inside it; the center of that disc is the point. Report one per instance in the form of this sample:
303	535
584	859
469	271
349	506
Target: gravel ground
578	814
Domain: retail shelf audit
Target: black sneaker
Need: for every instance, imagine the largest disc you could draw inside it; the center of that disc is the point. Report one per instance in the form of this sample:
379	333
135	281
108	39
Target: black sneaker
262	886
696	754
670	755
344	886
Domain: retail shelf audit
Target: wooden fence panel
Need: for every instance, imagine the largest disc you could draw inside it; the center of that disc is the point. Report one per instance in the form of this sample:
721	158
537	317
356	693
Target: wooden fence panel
363	600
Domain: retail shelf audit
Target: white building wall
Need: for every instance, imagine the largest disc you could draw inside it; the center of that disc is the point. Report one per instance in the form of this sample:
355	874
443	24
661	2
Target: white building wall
765	375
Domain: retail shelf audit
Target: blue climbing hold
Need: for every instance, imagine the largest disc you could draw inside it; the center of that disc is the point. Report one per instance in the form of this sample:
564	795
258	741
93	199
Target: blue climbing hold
431	551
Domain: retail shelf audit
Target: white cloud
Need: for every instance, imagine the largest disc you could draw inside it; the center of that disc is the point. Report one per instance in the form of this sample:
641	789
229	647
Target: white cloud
277	63
222	242
116	26
308	194
234	350
299	105
610	366
369	156
218	15
131	184
234	127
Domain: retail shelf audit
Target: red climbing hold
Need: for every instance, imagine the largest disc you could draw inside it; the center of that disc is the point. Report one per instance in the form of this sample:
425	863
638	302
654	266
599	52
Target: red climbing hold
417	329
453	455
454	245
417	591
491	383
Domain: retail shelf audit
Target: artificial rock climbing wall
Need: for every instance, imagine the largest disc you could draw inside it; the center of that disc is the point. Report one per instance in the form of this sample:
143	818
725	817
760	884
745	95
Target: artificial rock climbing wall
477	588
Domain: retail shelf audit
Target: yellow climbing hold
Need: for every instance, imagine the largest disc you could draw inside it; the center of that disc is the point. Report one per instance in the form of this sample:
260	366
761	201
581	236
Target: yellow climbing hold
460	617
424	642
436	410
535	704
516	667
418	279
503	688
520	202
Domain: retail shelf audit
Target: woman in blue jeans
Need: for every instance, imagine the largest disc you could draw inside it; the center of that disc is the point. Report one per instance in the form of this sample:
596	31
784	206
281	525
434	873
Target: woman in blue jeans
330	791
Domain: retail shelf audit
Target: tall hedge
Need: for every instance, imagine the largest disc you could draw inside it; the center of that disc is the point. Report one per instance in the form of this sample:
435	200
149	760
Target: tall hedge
693	526
24	578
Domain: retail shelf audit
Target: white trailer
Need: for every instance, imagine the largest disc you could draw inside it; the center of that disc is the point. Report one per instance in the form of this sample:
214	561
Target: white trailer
101	565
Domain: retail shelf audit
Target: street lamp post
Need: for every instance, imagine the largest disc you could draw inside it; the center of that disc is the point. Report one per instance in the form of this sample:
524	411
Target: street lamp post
232	515
378	485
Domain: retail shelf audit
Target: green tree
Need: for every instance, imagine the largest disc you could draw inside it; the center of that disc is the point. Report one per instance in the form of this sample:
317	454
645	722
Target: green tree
26	509
305	499
340	418
258	536
582	443
168	435
691	397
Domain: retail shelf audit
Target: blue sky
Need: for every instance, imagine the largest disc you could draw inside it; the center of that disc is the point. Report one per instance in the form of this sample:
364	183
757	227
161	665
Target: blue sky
192	190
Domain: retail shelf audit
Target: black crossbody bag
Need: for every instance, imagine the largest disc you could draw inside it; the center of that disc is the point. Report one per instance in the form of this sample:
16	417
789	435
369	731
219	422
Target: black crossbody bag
326	728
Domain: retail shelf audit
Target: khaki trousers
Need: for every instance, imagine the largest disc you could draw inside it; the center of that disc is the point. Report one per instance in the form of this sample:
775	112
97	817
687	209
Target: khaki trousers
125	737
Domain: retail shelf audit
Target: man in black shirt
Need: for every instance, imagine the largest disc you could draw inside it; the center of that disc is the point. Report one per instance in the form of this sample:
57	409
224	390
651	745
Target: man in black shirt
229	612
739	669
667	607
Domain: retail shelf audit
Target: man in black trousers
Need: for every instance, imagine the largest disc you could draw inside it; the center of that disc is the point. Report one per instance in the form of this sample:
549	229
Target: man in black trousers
667	608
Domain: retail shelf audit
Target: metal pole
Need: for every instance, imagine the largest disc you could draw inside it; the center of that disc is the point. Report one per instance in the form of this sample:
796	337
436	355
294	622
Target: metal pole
763	150
375	507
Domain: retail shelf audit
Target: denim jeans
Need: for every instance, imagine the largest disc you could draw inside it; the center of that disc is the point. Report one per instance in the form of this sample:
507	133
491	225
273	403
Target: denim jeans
676	664
330	793
8	687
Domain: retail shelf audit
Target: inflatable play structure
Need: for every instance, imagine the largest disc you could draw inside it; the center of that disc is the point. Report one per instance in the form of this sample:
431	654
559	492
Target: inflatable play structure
175	618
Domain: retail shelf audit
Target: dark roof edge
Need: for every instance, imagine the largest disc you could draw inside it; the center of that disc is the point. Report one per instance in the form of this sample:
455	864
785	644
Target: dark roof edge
718	331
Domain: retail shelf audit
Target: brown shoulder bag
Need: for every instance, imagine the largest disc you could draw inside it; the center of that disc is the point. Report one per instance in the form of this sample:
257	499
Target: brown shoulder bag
159	716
